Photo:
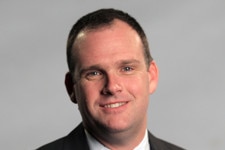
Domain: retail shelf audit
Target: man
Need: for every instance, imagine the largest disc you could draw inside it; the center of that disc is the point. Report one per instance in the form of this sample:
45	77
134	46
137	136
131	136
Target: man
111	75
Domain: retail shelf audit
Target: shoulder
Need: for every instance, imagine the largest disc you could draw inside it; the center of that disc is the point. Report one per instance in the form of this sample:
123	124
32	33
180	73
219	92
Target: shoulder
75	140
55	145
159	144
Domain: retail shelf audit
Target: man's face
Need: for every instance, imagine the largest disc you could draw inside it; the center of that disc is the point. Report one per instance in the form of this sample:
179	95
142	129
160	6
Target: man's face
113	81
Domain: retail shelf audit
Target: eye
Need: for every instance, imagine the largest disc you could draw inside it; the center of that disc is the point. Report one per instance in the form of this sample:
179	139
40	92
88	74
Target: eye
93	75
127	69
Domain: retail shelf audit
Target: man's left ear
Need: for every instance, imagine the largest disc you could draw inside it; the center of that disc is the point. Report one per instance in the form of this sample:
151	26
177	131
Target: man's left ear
153	76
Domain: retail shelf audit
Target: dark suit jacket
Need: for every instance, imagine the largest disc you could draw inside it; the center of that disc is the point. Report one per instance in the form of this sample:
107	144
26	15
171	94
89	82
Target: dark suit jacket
76	140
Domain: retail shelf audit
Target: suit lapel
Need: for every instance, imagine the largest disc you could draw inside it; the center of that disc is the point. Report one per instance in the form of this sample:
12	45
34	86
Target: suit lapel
76	140
158	144
154	142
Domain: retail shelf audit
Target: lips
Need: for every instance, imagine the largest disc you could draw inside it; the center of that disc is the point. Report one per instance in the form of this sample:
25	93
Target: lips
115	105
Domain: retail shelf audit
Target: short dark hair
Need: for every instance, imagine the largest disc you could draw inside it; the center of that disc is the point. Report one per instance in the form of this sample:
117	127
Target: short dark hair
100	18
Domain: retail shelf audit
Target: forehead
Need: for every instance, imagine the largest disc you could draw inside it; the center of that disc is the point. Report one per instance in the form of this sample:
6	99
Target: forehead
107	42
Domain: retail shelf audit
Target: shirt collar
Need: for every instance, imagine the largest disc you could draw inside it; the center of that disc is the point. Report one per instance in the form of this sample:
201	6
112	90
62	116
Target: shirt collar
95	145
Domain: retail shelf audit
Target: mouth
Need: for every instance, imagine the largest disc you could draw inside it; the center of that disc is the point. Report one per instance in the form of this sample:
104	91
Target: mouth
114	105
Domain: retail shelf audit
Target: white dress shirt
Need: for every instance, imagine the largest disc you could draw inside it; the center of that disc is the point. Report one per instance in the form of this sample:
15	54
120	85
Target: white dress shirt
95	145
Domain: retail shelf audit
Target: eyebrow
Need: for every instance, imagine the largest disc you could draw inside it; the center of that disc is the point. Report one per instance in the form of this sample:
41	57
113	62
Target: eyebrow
128	61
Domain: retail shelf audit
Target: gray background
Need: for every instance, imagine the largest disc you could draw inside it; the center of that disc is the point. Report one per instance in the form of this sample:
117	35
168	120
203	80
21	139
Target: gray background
187	41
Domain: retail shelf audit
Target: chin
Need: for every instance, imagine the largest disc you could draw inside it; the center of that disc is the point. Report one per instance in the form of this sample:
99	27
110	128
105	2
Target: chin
116	127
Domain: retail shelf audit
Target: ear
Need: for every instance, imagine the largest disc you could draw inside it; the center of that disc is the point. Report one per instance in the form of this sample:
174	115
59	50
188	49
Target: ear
153	77
69	86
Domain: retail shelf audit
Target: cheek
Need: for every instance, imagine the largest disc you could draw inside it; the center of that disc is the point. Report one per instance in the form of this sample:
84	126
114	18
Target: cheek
139	89
87	93
90	89
139	86
83	101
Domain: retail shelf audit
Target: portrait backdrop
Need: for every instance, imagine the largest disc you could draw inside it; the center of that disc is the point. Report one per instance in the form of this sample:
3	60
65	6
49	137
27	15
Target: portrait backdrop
186	40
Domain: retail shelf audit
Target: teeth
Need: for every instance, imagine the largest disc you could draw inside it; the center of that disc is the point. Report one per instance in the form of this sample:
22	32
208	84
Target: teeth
114	105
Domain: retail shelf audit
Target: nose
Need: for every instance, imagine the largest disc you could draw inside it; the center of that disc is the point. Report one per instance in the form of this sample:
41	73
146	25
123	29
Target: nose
112	85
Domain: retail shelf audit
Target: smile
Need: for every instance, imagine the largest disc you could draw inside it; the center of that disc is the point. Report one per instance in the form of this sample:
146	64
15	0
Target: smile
115	105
